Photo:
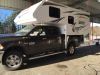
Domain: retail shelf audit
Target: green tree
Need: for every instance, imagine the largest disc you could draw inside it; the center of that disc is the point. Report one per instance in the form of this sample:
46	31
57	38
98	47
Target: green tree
1	27
10	21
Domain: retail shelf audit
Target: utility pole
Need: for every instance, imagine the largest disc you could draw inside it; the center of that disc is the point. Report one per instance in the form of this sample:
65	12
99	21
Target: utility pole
92	28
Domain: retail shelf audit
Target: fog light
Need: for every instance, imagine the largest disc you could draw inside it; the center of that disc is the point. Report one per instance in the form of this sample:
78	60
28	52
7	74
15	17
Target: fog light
1	47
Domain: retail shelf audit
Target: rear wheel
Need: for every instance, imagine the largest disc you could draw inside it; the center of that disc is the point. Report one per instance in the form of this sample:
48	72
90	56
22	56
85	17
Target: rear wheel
13	60
71	49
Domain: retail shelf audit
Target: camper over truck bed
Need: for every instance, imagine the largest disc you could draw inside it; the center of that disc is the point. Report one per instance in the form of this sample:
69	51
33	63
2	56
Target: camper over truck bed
70	20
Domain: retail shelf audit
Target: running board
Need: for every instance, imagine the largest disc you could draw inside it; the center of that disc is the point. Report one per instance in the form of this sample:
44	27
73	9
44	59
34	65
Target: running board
45	55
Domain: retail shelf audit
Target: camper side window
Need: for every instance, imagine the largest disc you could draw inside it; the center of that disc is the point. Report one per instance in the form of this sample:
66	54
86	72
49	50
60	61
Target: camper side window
70	19
54	12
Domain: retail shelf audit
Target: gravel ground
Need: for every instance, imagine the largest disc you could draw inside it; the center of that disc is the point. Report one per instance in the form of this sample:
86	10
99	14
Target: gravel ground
84	62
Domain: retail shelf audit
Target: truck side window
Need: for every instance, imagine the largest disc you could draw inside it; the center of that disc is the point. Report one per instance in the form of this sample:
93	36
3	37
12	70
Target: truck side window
70	19
42	33
52	31
37	31
54	12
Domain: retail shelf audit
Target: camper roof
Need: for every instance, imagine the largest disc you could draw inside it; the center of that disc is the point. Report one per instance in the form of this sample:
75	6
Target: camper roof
29	16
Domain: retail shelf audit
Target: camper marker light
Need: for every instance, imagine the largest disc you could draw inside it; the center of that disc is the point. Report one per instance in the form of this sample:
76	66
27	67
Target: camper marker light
44	0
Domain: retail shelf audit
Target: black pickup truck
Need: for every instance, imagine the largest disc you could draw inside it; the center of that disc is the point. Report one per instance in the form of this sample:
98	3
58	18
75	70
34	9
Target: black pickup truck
34	42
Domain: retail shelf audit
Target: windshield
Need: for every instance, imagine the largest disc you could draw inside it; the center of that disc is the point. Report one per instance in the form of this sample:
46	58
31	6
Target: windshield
25	30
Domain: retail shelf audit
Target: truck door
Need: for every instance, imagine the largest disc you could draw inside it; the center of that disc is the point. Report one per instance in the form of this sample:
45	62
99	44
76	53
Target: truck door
38	41
55	38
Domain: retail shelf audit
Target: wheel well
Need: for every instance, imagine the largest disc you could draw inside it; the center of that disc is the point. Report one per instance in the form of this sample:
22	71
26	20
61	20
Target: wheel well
18	48
76	40
71	40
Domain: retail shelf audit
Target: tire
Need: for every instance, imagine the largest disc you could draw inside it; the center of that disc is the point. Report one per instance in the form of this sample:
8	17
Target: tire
12	60
71	49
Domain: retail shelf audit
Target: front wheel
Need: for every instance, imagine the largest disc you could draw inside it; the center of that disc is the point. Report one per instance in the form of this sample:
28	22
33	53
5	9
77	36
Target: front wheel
13	60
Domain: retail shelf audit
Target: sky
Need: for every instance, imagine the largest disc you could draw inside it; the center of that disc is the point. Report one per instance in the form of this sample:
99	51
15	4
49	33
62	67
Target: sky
4	13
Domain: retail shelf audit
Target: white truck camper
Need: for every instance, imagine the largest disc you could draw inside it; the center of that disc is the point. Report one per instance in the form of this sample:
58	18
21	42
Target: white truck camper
73	23
51	28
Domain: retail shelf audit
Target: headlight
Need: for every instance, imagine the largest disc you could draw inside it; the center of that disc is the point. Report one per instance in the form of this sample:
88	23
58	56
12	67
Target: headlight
1	47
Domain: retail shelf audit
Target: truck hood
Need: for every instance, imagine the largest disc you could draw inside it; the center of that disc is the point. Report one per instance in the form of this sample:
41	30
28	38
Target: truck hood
9	37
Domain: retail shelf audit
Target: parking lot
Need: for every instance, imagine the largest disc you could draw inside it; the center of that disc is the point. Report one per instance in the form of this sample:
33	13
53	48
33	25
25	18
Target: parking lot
84	62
